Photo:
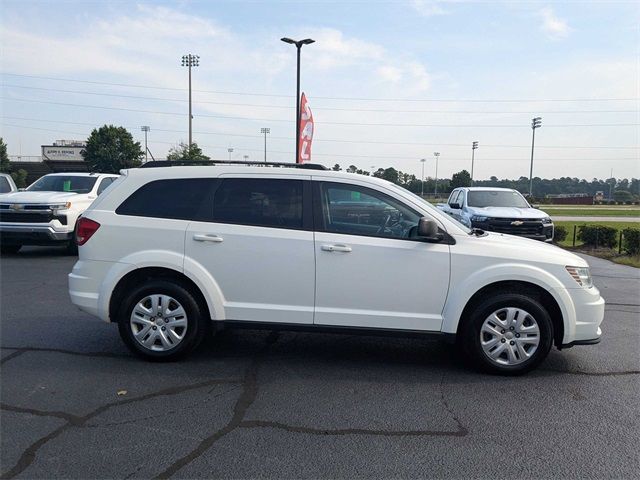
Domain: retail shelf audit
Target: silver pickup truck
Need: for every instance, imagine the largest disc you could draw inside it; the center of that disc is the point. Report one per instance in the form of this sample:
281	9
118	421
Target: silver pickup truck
501	210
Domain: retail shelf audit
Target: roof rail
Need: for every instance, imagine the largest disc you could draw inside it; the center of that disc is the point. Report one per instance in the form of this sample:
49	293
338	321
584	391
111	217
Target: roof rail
182	163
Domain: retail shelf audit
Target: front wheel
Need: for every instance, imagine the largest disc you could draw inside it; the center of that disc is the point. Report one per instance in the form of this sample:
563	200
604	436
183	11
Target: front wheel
508	334
161	320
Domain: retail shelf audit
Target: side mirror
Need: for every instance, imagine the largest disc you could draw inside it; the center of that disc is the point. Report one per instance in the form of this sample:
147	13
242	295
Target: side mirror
456	206
428	230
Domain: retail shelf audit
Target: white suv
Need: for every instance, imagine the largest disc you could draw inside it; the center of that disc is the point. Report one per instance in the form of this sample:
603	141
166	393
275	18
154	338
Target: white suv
46	212
167	251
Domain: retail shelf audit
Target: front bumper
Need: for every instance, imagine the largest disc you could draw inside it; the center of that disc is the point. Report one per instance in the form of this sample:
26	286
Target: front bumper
33	234
589	311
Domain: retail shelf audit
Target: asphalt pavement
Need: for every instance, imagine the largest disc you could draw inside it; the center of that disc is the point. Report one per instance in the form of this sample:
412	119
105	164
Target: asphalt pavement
76	404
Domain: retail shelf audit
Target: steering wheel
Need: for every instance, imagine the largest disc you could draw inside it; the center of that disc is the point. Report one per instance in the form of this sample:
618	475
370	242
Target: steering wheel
383	227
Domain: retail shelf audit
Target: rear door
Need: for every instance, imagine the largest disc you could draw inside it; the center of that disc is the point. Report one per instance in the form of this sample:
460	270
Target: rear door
258	246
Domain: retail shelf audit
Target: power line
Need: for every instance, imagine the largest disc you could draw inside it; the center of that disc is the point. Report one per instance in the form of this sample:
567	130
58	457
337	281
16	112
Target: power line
334	140
379	110
360	124
340	155
531	100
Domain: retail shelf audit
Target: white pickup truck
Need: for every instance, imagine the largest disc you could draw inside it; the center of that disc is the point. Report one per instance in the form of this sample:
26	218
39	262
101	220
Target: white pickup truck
46	212
501	210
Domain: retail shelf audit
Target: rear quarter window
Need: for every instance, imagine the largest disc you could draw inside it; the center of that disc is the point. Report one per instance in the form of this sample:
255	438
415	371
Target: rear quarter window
180	199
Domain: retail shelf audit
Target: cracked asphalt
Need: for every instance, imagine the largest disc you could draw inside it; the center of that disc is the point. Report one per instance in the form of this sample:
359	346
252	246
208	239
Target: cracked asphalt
254	404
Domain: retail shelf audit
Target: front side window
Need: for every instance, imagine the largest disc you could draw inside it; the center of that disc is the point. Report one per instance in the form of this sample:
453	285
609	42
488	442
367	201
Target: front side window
354	210
260	202
180	199
4	185
63	183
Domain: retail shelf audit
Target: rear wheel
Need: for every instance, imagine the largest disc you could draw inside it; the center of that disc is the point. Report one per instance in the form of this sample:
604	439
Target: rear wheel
508	334
161	320
11	248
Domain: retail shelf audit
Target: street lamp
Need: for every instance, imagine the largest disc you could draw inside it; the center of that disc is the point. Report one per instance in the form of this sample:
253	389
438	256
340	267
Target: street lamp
230	150
437	155
474	146
422	160
190	61
145	129
265	131
535	123
298	44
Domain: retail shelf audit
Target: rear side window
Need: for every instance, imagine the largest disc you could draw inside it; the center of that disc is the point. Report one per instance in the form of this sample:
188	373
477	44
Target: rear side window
104	183
181	199
261	202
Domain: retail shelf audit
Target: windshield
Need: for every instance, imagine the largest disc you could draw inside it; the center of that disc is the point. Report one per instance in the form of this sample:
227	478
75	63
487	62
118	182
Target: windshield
436	212
63	183
496	198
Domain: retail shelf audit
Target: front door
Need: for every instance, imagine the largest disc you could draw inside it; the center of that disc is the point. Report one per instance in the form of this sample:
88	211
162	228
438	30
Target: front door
370	272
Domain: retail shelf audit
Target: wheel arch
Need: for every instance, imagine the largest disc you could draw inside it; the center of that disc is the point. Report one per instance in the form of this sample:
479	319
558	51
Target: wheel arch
143	274
548	301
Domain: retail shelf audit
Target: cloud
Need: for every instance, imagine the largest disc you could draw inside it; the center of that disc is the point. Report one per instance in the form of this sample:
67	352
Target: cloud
332	49
428	8
555	28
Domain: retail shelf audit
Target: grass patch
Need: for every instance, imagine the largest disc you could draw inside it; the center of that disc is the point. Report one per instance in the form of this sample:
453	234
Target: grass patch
592	212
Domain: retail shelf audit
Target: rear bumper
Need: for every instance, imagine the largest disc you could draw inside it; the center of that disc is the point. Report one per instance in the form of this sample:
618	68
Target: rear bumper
33	234
85	283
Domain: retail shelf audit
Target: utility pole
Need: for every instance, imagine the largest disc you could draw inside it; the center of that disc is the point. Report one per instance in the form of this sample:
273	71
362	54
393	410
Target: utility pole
437	155
422	160
190	60
265	131
535	123
611	185
298	44
145	129
230	150
474	146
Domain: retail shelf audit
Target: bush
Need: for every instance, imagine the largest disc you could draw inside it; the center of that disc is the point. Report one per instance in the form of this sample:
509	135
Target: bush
598	236
559	234
631	241
611	202
20	178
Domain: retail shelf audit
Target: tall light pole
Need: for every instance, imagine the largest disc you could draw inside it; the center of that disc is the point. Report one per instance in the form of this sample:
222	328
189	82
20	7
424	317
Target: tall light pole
145	129
190	60
422	161
437	155
535	123
611	182
265	131
298	44
230	150
474	146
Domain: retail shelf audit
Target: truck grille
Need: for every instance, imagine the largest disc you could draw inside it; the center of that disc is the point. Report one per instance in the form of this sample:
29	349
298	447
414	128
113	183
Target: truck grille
506	225
22	217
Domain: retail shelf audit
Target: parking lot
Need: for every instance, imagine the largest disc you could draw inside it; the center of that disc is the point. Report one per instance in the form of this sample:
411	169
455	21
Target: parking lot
76	404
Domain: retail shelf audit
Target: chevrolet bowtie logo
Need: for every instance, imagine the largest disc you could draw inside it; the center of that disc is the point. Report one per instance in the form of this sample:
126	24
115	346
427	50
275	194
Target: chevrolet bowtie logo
16	207
517	223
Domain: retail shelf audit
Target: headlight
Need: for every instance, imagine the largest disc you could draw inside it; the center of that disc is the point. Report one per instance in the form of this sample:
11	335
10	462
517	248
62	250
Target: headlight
581	275
479	218
60	206
547	220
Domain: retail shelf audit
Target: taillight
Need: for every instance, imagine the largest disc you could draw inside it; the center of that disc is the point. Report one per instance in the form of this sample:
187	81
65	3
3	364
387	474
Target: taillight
85	230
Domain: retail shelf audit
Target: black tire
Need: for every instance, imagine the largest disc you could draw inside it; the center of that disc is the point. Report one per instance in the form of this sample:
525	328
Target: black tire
72	245
11	248
471	334
197	324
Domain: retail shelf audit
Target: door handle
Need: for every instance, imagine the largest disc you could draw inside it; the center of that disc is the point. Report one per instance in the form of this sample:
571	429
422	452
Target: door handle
203	237
336	248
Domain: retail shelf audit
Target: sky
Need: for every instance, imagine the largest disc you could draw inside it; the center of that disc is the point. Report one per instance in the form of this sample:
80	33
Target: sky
389	82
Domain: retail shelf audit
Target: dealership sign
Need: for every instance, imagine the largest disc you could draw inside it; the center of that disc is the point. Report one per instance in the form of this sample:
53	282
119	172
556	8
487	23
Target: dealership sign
306	131
62	153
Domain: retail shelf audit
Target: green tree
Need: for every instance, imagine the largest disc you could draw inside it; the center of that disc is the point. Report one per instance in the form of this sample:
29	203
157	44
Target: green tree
460	179
4	158
110	148
187	153
352	169
622	196
20	178
336	168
